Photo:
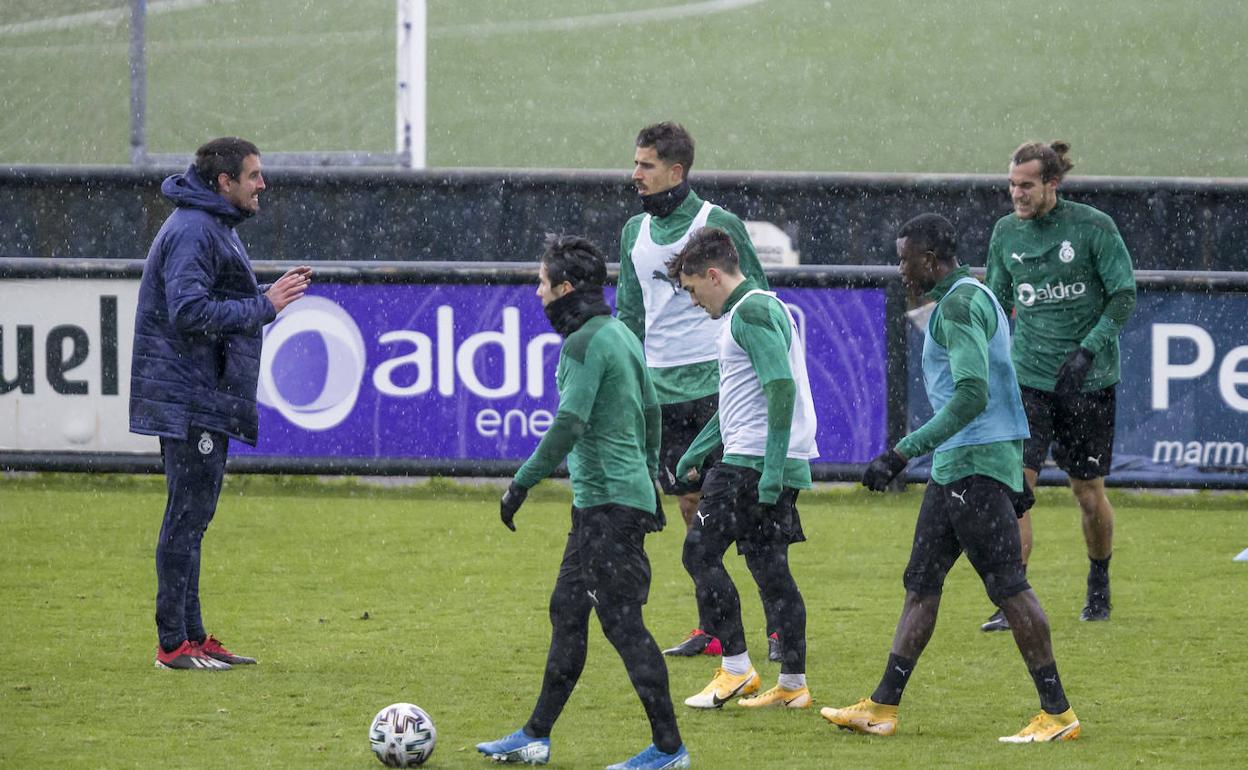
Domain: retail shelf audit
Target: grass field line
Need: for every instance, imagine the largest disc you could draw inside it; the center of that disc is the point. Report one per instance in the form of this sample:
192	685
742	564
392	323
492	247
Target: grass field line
307	40
574	23
106	16
343	37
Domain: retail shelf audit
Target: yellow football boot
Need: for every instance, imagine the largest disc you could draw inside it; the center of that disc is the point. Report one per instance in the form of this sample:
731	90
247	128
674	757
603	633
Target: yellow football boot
723	688
866	716
779	697
1045	727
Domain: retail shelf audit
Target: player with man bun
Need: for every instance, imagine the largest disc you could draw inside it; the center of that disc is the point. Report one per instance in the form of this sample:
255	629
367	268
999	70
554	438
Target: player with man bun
1064	270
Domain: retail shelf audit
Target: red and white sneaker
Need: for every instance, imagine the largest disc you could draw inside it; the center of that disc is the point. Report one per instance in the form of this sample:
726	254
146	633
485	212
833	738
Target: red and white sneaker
188	656
698	642
213	648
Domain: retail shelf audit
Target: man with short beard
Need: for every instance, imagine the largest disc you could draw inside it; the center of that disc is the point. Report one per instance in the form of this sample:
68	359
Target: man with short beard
678	338
195	364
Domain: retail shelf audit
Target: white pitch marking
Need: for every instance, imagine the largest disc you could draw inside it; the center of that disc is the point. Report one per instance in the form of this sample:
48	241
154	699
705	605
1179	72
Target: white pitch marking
345	37
572	23
106	16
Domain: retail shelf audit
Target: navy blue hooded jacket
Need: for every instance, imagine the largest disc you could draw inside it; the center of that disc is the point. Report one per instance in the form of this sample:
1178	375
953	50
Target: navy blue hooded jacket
197	330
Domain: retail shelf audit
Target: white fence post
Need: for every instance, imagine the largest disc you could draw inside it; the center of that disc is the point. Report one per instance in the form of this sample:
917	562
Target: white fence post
410	83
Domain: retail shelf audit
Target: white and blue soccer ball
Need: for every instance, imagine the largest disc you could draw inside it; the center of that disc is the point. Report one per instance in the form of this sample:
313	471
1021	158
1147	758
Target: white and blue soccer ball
402	735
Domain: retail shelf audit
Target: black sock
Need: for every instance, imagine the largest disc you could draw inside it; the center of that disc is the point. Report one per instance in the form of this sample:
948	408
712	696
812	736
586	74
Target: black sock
1098	576
893	683
1049	686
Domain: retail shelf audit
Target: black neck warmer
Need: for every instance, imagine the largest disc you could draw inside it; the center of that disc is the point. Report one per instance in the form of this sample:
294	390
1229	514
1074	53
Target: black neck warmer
662	204
572	310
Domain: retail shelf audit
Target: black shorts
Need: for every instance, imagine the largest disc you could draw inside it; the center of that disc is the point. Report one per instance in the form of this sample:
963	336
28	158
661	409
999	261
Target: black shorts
1080	429
729	512
606	557
681	424
973	514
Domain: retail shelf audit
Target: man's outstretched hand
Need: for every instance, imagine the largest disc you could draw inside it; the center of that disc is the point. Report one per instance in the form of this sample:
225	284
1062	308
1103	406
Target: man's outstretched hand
290	287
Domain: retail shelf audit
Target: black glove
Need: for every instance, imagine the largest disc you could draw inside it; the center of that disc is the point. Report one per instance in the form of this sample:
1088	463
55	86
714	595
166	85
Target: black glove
660	518
1022	501
882	470
513	498
1073	372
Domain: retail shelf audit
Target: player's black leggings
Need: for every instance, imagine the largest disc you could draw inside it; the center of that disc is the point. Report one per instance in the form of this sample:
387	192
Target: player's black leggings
719	600
624	628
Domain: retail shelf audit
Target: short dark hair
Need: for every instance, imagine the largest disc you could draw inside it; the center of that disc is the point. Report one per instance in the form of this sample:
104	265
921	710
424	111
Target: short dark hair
574	259
1052	156
222	156
707	247
934	233
671	142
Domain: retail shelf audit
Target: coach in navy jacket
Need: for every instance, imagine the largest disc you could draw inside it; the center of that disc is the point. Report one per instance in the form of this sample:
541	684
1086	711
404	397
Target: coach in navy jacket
195	362
200	315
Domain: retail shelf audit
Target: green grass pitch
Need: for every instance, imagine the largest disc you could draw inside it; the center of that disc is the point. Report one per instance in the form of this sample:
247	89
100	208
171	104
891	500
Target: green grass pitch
1148	89
456	622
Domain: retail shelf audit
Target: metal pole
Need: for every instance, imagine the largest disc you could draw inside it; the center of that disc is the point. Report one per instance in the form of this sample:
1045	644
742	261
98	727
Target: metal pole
138	82
897	372
410	83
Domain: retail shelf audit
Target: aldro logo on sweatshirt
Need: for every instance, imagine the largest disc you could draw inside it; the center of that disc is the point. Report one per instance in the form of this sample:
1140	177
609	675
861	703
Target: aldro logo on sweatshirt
1029	295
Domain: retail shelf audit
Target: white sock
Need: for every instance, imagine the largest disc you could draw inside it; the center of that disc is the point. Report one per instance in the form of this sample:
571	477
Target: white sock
792	681
737	664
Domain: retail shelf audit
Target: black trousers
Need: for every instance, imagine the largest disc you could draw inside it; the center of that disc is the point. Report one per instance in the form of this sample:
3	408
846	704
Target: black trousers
605	570
194	468
730	512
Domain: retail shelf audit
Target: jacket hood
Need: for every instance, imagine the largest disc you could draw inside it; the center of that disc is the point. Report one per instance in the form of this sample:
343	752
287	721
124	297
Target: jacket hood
187	190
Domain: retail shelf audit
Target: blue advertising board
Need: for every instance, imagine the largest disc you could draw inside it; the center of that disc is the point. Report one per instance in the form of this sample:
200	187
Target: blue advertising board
1182	402
1183	399
450	369
467	372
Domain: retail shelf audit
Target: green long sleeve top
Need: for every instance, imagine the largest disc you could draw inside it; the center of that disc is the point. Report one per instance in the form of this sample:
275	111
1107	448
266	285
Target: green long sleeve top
608	423
1068	277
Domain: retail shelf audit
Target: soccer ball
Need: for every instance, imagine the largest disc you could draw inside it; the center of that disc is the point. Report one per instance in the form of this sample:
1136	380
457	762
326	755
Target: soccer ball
402	735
